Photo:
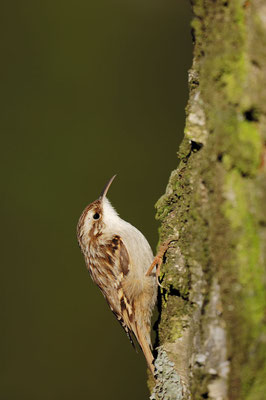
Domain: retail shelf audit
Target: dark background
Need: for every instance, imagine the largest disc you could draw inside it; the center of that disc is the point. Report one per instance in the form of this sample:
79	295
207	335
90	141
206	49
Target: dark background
88	89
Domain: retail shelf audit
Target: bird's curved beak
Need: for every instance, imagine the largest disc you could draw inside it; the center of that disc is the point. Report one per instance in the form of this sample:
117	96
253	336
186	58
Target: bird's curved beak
106	188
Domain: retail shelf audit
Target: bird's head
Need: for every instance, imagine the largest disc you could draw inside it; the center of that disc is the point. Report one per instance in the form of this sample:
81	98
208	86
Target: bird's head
96	216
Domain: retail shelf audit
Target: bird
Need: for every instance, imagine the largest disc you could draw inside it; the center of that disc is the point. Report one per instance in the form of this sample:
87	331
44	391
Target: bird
121	263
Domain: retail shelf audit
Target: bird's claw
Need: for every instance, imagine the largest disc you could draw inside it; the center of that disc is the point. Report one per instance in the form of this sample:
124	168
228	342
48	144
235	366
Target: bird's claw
158	260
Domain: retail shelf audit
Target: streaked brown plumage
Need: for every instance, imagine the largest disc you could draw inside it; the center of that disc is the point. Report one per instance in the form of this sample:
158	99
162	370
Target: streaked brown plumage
118	257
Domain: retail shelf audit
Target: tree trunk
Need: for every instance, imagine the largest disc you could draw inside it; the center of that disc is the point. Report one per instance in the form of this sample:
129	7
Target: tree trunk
211	331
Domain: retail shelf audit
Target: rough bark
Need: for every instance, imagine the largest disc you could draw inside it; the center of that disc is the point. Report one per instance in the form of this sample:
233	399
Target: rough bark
211	332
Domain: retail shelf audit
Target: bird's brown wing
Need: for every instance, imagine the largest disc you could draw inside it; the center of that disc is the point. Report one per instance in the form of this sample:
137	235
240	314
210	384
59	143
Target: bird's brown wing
109	271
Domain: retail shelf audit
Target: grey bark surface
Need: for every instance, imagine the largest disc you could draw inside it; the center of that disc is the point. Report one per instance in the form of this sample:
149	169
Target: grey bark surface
211	330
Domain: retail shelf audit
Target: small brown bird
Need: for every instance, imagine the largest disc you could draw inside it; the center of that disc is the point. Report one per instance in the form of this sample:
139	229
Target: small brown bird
119	259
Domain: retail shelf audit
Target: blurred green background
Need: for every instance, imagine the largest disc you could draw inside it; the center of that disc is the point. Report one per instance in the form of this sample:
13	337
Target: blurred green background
89	89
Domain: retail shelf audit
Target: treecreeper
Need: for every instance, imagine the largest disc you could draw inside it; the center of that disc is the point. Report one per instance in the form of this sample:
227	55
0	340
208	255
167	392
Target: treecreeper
121	263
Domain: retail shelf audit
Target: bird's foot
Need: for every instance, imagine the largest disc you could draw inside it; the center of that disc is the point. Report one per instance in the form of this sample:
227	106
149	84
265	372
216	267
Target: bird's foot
158	260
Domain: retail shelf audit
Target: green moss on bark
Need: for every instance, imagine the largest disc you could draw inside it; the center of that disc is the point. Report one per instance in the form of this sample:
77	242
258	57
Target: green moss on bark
248	290
214	207
247	262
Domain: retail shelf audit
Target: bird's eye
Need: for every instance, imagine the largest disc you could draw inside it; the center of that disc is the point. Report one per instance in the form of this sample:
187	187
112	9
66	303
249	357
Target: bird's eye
96	216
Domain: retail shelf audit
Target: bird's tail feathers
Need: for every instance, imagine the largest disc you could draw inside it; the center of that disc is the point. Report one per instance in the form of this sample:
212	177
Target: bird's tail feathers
145	346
